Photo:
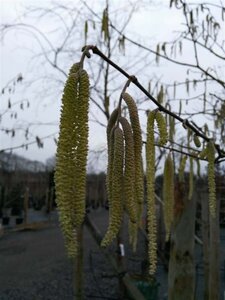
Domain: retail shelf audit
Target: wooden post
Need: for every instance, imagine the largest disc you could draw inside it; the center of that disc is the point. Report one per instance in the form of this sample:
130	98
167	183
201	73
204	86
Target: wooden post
214	255
205	240
127	281
26	204
121	261
181	281
78	267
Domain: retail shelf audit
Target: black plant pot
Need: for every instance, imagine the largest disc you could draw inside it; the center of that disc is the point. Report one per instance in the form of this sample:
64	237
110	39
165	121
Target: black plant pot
5	220
19	220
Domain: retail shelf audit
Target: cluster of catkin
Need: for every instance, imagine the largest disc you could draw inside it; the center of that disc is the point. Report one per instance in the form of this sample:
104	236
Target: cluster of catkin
71	159
125	184
125	176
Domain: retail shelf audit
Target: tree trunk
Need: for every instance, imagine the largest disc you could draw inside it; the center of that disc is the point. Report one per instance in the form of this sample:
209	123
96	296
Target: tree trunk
181	279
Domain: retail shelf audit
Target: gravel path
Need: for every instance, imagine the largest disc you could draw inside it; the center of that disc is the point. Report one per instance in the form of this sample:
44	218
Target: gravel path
34	265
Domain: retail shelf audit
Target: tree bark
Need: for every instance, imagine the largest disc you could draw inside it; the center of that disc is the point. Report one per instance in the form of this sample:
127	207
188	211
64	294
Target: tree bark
181	274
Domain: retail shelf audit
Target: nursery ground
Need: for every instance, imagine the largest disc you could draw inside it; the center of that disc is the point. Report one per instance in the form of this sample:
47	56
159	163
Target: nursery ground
34	265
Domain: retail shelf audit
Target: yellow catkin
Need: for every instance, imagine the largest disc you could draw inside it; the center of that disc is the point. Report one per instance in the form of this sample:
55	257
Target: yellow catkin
81	149
109	175
191	179
129	171
171	128
211	178
64	169
71	155
161	123
150	176
203	153
182	166
197	141
116	208
129	182
111	123
168	194
139	174
110	142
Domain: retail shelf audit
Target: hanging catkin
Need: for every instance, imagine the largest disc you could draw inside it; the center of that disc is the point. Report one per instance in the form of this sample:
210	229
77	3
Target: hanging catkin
81	148
111	123
129	182
116	209
211	178
168	194
129	171
139	174
182	166
197	141
71	155
150	176
110	142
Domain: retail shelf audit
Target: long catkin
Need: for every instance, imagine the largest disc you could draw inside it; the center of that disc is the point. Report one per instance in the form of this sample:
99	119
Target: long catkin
129	171
211	178
71	156
110	146
129	182
139	173
150	176
168	194
116	206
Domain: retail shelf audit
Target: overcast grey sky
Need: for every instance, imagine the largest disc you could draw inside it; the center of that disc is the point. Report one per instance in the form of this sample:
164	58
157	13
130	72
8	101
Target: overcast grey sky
19	52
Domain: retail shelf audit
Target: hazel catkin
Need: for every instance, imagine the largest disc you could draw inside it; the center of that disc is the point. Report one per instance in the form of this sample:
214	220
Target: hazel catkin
139	173
129	170
150	177
71	155
197	141
182	166
168	194
211	178
116	208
